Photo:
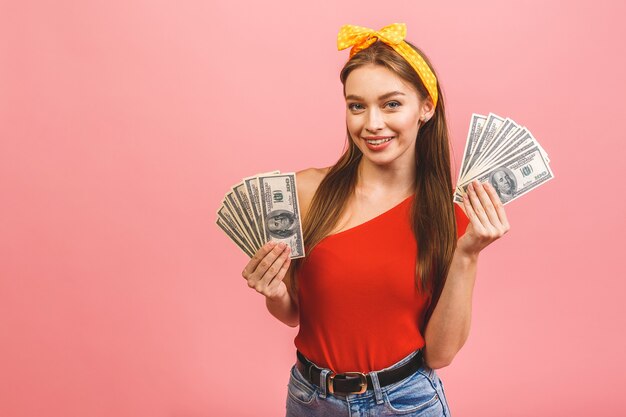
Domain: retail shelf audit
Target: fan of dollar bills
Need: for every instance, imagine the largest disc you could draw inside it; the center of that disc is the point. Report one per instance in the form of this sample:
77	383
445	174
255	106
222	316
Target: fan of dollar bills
504	153
262	208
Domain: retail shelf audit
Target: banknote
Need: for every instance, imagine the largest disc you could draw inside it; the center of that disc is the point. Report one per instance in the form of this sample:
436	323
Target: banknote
476	127
252	189
491	127
517	144
227	219
493	144
229	232
261	208
237	219
517	176
243	200
504	153
280	211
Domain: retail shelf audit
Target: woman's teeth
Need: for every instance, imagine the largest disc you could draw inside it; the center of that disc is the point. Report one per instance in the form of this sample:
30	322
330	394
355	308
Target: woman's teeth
378	141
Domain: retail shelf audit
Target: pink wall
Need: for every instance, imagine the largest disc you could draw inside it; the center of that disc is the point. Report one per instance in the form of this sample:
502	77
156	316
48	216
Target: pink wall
122	124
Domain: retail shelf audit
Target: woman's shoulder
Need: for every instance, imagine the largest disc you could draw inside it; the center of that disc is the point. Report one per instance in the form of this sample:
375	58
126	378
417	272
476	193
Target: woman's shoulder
307	182
309	179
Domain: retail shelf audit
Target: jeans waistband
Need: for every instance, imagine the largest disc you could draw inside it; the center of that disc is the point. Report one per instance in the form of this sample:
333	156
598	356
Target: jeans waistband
356	382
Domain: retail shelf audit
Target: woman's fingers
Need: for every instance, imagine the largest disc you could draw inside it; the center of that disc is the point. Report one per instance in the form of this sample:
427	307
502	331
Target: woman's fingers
266	265
487	211
499	207
484	205
262	260
258	258
272	287
275	268
479	213
469	210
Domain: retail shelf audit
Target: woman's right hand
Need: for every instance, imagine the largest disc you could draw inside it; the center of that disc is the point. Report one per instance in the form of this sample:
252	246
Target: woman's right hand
267	269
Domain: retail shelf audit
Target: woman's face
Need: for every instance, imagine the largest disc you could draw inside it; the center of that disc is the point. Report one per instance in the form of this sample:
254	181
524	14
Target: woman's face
382	115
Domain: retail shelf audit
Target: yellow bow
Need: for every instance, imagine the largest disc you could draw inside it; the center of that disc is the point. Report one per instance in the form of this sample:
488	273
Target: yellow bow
393	35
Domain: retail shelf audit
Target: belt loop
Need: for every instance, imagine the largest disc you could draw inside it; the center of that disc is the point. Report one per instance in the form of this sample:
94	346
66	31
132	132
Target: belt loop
323	385
378	392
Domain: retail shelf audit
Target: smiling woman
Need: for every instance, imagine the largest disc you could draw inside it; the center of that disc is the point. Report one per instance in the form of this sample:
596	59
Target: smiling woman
377	123
377	316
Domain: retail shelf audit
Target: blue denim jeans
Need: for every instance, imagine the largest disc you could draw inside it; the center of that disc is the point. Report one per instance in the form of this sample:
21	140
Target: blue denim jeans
418	395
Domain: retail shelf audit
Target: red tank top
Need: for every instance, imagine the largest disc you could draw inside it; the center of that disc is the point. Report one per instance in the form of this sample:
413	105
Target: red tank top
359	307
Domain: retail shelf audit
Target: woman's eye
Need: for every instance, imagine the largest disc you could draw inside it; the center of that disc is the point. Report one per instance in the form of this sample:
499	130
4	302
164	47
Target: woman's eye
391	105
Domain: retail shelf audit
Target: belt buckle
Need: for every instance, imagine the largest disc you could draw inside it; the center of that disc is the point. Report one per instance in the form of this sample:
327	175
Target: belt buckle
362	383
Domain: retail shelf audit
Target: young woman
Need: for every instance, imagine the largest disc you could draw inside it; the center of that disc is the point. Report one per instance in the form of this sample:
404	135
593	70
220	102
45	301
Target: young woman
384	295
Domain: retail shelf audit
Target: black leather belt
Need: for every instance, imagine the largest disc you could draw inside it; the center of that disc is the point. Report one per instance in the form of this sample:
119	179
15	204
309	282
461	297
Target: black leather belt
356	382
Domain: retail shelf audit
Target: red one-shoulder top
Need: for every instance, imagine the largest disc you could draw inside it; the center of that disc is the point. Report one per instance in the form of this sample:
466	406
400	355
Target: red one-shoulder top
360	309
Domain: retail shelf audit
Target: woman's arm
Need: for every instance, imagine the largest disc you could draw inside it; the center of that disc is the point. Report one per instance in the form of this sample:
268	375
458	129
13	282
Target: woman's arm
284	308
267	272
270	272
449	325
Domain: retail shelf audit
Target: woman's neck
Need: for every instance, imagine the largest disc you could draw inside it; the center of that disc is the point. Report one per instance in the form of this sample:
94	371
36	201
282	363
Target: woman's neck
385	180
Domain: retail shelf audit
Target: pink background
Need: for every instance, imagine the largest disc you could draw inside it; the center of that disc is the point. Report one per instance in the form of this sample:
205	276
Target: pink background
122	125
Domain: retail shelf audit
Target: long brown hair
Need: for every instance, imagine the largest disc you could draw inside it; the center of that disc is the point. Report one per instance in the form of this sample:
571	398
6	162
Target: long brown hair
433	218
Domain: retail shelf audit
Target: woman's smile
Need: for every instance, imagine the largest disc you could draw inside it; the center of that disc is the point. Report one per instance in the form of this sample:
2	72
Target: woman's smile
378	143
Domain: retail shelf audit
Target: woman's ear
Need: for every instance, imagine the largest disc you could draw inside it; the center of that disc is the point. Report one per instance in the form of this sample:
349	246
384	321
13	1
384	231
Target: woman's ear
427	110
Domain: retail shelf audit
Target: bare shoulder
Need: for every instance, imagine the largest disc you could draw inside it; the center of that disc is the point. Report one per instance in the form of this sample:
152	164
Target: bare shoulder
308	180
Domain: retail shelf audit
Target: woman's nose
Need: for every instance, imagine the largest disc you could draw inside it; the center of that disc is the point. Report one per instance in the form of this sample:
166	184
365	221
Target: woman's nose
375	120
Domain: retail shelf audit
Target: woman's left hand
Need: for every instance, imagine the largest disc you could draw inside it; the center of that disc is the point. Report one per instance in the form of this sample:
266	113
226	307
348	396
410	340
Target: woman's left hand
488	220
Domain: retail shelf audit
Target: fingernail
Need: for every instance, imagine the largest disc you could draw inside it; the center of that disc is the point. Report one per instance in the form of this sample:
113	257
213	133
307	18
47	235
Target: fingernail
470	187
282	245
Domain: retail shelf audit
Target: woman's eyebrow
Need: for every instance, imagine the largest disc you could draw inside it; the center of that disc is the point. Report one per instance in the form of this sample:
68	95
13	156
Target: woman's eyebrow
384	96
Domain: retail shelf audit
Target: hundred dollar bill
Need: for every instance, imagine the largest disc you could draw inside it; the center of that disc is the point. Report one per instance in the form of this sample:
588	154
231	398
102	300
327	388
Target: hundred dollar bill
512	146
492	145
230	233
243	200
545	154
502	144
489	130
518	145
280	211
477	123
517	176
252	188
238	212
226	214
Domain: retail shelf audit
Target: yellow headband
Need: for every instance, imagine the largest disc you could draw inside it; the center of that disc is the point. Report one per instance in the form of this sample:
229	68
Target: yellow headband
393	35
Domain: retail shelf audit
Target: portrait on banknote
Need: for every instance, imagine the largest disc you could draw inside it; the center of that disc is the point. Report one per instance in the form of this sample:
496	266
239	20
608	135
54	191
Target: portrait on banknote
281	224
503	180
